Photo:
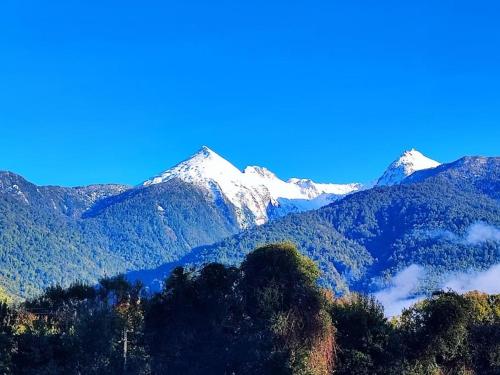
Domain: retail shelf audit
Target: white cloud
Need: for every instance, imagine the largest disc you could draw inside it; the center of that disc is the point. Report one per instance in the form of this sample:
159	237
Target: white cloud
486	281
402	291
401	294
476	234
481	232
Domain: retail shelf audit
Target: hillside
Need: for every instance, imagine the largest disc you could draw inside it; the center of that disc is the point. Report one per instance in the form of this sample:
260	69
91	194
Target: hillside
364	238
52	234
55	235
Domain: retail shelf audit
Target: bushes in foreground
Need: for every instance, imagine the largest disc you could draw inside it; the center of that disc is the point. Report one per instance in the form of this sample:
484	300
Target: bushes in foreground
267	316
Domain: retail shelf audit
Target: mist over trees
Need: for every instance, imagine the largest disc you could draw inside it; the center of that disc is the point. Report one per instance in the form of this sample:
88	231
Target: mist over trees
268	316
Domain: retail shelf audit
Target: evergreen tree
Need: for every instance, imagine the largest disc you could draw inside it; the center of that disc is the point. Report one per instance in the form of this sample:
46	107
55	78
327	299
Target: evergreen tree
436	334
288	329
366	339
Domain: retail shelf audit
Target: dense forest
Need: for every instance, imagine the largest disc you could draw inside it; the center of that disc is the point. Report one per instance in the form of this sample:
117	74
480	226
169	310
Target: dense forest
98	230
360	241
268	316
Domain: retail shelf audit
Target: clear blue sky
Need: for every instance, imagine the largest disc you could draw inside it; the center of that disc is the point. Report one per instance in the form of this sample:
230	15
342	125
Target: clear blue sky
116	91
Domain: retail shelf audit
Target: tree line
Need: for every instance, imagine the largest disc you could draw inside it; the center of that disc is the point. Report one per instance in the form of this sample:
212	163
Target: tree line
267	316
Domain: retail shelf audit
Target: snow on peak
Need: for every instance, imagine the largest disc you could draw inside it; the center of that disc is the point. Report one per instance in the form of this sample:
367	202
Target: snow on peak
259	171
408	163
254	191
313	189
205	164
205	152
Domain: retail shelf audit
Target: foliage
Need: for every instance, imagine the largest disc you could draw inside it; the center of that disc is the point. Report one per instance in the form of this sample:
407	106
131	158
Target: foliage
80	330
366	338
445	334
267	316
283	303
190	325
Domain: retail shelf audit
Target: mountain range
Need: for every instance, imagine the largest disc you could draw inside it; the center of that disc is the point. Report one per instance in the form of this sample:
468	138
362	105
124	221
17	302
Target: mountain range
206	209
256	193
444	219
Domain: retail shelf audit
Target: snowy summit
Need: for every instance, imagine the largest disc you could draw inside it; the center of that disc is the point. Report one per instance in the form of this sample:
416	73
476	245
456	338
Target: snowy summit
256	193
408	163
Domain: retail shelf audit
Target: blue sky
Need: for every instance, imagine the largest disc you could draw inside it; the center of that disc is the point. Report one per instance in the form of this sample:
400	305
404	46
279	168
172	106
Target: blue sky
114	91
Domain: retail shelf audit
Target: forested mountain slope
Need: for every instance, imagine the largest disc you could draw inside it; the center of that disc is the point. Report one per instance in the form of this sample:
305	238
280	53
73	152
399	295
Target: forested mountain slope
52	235
362	239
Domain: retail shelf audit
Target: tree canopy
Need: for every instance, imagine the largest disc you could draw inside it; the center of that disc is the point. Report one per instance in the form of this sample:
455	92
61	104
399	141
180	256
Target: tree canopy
268	316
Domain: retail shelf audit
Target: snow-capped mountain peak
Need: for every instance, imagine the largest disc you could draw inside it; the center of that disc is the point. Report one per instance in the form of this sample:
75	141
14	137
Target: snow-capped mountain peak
408	163
208	170
205	164
253	191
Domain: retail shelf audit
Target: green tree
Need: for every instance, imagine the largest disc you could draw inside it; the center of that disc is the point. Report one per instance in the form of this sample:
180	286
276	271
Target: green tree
191	325
6	338
436	334
366	339
82	330
288	330
484	333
